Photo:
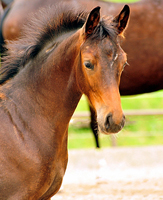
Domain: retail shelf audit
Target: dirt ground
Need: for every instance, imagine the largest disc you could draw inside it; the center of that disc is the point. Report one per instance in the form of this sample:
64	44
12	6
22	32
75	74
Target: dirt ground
114	174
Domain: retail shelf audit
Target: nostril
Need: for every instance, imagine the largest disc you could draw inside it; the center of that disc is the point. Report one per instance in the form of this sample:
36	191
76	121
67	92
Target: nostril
108	121
123	121
113	127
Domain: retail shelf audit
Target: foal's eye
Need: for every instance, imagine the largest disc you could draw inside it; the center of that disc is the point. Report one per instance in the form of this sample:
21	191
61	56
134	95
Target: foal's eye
89	65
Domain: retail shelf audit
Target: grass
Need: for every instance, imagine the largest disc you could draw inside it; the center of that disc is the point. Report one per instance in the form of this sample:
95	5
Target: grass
138	131
145	101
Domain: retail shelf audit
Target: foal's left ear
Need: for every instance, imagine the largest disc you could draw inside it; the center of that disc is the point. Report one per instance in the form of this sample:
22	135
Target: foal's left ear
122	19
92	21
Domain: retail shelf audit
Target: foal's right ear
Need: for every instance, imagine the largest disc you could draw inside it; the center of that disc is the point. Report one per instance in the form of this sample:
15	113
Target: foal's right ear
92	21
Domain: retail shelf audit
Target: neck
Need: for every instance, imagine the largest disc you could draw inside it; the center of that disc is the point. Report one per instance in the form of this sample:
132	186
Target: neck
48	91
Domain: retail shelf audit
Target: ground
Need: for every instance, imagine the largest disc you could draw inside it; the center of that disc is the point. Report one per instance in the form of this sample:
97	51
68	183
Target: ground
134	173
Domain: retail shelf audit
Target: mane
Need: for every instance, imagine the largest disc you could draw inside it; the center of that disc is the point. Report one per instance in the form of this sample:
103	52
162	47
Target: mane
48	23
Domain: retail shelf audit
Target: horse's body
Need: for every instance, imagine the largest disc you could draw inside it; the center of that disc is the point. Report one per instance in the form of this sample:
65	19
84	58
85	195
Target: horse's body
63	55
144	41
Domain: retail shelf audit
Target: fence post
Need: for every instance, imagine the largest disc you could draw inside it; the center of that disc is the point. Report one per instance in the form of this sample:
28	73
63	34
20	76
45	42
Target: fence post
113	140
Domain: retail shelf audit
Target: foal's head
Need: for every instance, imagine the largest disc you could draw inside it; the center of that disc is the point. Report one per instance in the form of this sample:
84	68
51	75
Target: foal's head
102	62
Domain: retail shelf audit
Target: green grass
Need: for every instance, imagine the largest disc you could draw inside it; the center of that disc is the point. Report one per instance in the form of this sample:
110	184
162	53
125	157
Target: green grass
145	101
138	131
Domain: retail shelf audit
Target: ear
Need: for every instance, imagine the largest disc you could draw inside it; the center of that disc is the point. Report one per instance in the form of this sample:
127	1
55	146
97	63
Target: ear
92	21
122	19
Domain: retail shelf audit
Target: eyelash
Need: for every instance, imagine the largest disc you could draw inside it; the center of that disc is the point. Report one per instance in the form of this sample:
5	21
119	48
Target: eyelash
126	63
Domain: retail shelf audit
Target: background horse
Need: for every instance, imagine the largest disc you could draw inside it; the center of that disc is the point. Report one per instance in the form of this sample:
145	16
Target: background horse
143	42
63	55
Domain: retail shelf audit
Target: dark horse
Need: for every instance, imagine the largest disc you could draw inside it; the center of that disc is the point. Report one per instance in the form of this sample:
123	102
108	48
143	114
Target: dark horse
63	55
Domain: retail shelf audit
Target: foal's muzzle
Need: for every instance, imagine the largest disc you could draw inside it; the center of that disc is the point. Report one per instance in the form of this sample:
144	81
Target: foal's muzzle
110	126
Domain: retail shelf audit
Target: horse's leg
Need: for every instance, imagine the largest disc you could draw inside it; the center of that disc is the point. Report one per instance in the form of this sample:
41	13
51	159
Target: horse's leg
94	125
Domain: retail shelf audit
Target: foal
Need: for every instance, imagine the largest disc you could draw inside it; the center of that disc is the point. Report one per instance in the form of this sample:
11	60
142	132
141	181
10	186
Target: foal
64	54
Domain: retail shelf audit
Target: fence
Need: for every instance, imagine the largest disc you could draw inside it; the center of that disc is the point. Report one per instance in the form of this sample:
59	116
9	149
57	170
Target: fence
83	118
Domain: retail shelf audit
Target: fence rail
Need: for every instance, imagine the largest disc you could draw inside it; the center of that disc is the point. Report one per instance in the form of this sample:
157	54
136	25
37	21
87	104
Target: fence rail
83	118
86	114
